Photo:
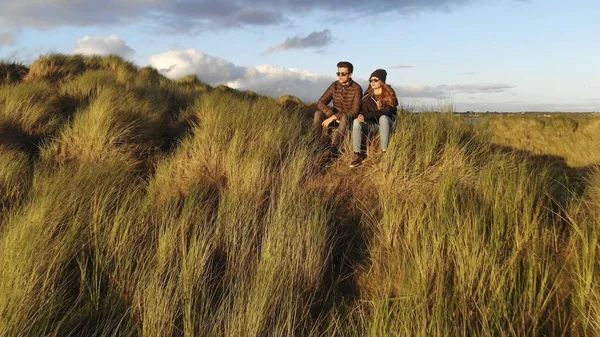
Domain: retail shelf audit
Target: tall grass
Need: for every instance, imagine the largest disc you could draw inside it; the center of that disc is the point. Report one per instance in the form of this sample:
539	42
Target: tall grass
259	220
583	250
117	126
34	108
573	137
463	246
16	175
55	67
234	229
11	72
45	250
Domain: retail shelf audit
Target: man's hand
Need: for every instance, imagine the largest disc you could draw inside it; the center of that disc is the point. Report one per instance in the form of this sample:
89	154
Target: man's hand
328	121
361	118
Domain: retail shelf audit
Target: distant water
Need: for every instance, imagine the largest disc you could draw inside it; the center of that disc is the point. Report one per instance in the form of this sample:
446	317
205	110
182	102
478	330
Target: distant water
473	120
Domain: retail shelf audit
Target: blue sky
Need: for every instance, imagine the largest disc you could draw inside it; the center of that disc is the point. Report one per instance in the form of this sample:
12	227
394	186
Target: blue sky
503	55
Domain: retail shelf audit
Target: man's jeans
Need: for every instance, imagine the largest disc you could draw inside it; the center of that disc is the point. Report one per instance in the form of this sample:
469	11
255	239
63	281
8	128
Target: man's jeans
339	132
360	131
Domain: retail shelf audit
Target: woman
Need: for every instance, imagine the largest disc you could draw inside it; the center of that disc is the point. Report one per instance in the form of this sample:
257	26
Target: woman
379	107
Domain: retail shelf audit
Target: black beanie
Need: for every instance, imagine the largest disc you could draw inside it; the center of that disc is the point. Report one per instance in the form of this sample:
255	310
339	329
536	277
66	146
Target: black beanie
380	74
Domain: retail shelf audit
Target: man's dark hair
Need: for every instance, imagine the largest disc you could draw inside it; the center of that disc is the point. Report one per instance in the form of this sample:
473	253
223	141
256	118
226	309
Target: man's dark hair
346	64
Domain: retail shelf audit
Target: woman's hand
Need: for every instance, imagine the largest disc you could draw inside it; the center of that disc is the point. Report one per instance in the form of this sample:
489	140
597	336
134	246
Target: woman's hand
361	118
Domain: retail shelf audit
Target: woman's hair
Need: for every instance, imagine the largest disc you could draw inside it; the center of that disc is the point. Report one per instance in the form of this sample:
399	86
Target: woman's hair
388	96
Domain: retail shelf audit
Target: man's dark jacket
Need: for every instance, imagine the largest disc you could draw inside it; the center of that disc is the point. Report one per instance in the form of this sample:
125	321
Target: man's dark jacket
346	99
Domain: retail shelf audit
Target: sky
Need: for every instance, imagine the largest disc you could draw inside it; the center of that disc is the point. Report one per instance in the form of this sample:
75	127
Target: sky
480	55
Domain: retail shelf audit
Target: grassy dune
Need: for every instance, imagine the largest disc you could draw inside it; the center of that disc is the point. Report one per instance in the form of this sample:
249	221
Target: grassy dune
571	137
133	205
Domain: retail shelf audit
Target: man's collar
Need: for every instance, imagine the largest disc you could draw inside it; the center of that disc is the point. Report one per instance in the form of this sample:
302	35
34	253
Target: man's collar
348	83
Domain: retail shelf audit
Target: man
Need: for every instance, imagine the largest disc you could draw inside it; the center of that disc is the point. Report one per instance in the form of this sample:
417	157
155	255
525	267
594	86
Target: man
346	95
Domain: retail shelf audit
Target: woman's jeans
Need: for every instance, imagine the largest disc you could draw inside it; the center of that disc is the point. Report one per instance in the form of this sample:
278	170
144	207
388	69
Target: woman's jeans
360	131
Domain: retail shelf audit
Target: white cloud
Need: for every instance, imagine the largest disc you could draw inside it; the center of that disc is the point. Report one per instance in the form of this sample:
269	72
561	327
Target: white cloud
210	69
276	81
444	90
100	45
518	106
265	79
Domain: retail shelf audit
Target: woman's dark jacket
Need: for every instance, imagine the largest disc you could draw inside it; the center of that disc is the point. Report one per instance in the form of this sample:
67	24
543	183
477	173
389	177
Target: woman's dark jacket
369	108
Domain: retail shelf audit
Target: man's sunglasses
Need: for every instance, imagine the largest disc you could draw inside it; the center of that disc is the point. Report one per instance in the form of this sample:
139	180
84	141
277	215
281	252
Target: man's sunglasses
374	80
343	73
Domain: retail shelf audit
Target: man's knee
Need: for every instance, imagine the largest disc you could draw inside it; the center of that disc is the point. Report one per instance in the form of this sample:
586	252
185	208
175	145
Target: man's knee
342	124
319	115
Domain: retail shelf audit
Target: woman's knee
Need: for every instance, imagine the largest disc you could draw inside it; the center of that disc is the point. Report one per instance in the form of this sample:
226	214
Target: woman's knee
385	121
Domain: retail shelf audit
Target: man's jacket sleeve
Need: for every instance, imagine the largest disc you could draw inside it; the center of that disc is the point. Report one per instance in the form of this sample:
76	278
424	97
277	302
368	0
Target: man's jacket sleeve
324	101
356	103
